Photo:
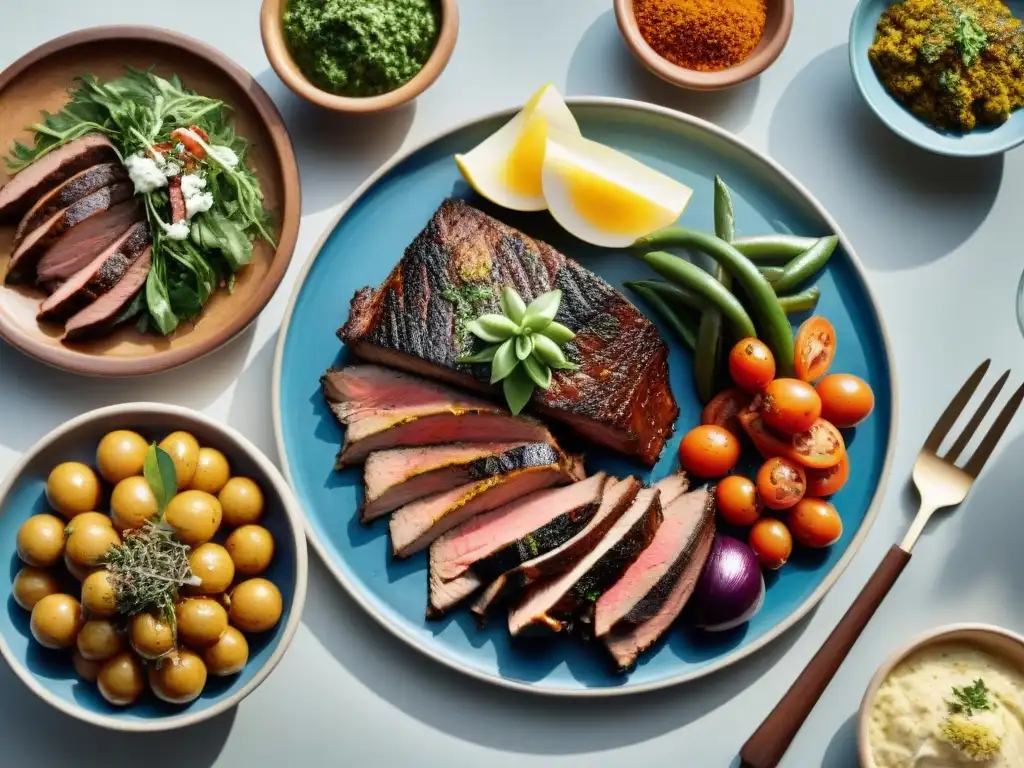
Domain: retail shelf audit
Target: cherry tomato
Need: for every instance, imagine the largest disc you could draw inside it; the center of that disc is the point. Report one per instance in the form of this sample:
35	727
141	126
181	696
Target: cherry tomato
751	364
846	400
723	408
790	406
814	349
184	135
815	523
709	451
825	482
819	447
781	483
767	443
772	542
737	500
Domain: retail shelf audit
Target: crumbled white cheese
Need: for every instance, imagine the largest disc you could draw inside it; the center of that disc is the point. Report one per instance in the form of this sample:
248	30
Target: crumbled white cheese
172	169
158	158
192	184
144	173
179	231
196	201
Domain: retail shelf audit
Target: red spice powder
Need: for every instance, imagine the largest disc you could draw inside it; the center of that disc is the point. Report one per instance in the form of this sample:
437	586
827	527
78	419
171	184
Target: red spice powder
706	35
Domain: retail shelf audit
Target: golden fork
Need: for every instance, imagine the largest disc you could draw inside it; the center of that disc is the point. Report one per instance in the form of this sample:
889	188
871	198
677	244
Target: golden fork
940	483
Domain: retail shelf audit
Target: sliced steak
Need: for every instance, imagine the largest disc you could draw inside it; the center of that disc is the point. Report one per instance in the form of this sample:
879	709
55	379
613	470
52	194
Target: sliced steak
101	315
98	276
71	191
442	596
620	396
672	487
501	539
627	641
396	477
43	239
647	582
532	467
382	408
77	247
617	498
31	183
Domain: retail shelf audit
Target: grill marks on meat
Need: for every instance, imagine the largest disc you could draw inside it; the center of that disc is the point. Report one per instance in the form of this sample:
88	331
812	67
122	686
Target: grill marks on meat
101	315
646	583
454	269
71	191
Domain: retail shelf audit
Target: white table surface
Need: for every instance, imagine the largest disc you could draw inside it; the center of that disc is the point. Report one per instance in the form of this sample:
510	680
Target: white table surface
940	239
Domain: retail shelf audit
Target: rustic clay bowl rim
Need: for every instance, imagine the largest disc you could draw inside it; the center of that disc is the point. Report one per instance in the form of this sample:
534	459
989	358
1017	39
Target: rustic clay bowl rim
289	72
75	361
965	633
762	58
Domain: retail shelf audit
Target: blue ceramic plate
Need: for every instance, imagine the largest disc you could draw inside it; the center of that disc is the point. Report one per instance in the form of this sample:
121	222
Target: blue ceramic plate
989	140
49	673
369	238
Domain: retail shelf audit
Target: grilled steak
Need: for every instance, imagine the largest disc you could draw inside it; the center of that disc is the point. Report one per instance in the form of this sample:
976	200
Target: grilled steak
396	477
97	277
442	596
672	487
620	396
547	604
76	248
644	586
31	183
71	191
42	239
627	641
527	469
617	498
102	314
381	408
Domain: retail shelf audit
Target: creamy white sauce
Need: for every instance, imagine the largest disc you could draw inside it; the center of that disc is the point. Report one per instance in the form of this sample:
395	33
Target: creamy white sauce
907	717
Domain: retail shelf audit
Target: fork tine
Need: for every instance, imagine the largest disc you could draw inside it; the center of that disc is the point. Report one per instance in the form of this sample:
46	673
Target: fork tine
955	407
995	432
976	419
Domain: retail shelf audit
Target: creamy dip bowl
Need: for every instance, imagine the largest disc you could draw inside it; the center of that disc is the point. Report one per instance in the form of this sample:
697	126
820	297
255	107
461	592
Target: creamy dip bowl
925	707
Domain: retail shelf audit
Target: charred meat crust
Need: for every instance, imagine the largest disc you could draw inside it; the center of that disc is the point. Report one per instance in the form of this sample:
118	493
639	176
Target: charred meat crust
74	189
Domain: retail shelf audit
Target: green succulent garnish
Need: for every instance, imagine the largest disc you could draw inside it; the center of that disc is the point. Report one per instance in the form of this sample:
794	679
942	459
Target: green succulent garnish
523	345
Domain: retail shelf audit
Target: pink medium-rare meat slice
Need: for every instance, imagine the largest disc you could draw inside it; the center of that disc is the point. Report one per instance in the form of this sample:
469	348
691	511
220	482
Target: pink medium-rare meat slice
617	497
627	641
672	487
77	247
382	408
442	596
71	191
31	183
101	315
550	604
43	239
454	270
537	466
646	583
499	540
98	276
396	477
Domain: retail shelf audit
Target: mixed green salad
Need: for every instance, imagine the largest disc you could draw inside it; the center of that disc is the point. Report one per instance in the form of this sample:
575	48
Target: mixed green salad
203	202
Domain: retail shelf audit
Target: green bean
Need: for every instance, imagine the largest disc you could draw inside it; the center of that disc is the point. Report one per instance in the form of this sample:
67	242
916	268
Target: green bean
805	301
773	247
775	328
771	274
686	275
709	333
675	295
806	265
725	217
682	325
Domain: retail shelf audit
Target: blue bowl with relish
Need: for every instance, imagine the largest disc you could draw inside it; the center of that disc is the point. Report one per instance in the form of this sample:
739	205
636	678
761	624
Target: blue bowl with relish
982	141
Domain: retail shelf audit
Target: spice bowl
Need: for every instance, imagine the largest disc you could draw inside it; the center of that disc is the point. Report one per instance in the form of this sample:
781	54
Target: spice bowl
281	59
778	24
51	674
1000	644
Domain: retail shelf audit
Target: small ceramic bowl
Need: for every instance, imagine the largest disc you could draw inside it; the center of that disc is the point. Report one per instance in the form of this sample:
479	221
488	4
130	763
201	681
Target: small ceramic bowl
50	674
286	68
776	35
982	142
1000	643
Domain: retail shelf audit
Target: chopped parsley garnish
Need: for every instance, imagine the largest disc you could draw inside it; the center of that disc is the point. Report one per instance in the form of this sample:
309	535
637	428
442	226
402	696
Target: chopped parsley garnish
969	698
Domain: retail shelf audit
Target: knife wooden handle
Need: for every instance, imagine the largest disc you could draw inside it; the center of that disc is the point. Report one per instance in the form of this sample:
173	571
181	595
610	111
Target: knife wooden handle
771	740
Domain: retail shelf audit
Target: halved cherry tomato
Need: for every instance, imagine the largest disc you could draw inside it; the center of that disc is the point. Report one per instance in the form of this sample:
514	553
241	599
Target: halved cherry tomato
814	349
781	483
825	482
815	523
751	364
709	451
723	408
772	542
846	400
767	443
819	447
737	500
790	406
185	137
